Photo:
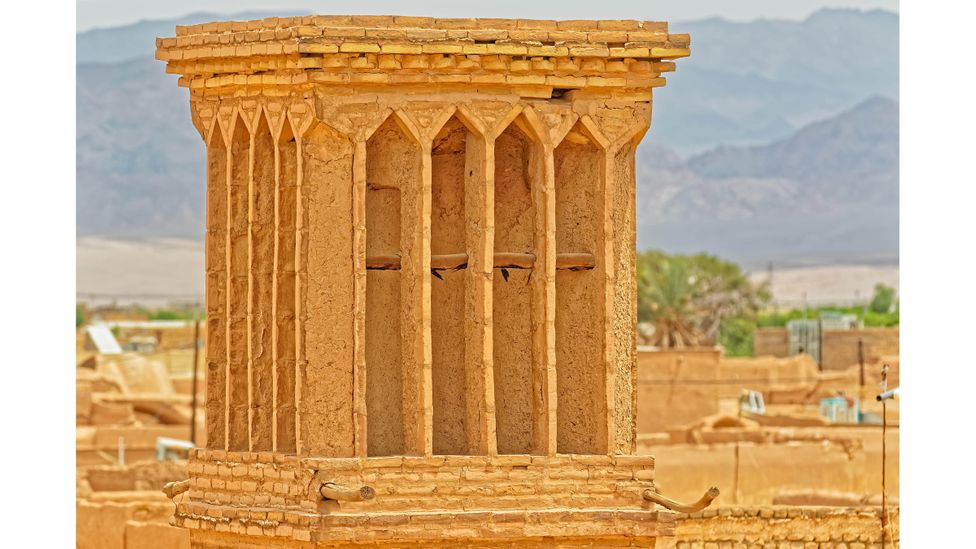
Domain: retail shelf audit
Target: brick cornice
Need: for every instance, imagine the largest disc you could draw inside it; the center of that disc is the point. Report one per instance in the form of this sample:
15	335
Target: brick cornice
224	58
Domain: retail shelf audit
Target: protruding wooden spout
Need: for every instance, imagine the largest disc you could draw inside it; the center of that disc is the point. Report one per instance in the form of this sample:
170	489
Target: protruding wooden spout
331	490
175	488
702	502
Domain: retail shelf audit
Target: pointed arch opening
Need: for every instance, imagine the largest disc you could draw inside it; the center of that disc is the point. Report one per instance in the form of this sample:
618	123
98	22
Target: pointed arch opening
261	233
216	268
392	167
452	401
517	281
286	212
238	437
580	300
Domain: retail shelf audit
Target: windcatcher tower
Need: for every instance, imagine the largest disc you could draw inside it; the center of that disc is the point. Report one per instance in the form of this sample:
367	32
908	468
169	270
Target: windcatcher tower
420	257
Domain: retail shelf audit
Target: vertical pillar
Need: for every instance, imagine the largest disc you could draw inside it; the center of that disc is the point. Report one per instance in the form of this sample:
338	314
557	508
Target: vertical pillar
359	296
301	276
623	310
326	297
418	383
605	260
480	228
544	301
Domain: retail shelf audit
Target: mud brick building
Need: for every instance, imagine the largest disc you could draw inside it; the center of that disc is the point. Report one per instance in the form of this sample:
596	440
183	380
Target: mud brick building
420	280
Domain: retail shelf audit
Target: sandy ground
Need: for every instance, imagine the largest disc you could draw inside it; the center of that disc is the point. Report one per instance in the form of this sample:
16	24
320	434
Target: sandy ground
162	270
833	285
152	272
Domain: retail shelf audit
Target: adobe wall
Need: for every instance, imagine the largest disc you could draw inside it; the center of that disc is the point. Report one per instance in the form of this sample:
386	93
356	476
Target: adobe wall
839	349
764	372
102	524
154	535
771	342
123	507
665	398
167	337
767	469
806	527
678	387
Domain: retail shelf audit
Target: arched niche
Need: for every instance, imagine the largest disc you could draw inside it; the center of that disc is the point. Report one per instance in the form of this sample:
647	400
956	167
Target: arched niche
517	280
581	419
392	170
216	267
238	436
262	233
286	210
449	288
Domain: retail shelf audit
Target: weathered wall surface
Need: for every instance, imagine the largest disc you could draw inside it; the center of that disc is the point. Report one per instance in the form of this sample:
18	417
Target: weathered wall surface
751	473
152	535
806	527
839	348
102	525
771	342
325	293
512	290
580	318
676	387
764	372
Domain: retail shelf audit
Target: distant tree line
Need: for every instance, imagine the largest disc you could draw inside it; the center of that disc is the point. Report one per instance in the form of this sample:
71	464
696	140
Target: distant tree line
702	300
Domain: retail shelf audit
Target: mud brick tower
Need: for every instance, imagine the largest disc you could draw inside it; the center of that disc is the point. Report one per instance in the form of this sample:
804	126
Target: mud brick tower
420	280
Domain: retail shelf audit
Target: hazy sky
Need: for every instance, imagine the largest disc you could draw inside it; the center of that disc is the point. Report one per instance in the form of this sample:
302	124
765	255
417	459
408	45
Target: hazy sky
110	13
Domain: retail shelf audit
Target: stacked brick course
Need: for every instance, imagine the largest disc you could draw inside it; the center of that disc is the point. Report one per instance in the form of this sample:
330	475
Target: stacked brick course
278	51
786	528
277	496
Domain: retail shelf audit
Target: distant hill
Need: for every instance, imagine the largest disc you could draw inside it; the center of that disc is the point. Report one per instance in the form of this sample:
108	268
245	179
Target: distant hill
757	150
138	40
829	191
757	81
140	162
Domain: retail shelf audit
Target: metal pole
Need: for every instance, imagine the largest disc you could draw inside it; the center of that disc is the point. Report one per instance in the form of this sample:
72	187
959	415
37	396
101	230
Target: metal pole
860	360
193	398
884	456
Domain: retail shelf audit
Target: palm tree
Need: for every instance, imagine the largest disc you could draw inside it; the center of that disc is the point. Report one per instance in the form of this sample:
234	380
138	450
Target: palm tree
686	297
670	295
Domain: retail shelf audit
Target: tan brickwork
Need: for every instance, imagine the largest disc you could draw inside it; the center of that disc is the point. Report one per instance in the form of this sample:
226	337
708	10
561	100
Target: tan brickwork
806	527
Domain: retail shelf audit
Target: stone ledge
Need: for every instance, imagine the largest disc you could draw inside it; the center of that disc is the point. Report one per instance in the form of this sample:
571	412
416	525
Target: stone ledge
335	51
420	526
429	28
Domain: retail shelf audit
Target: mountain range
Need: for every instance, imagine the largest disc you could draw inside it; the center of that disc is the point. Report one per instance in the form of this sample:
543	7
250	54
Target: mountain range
827	193
775	141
